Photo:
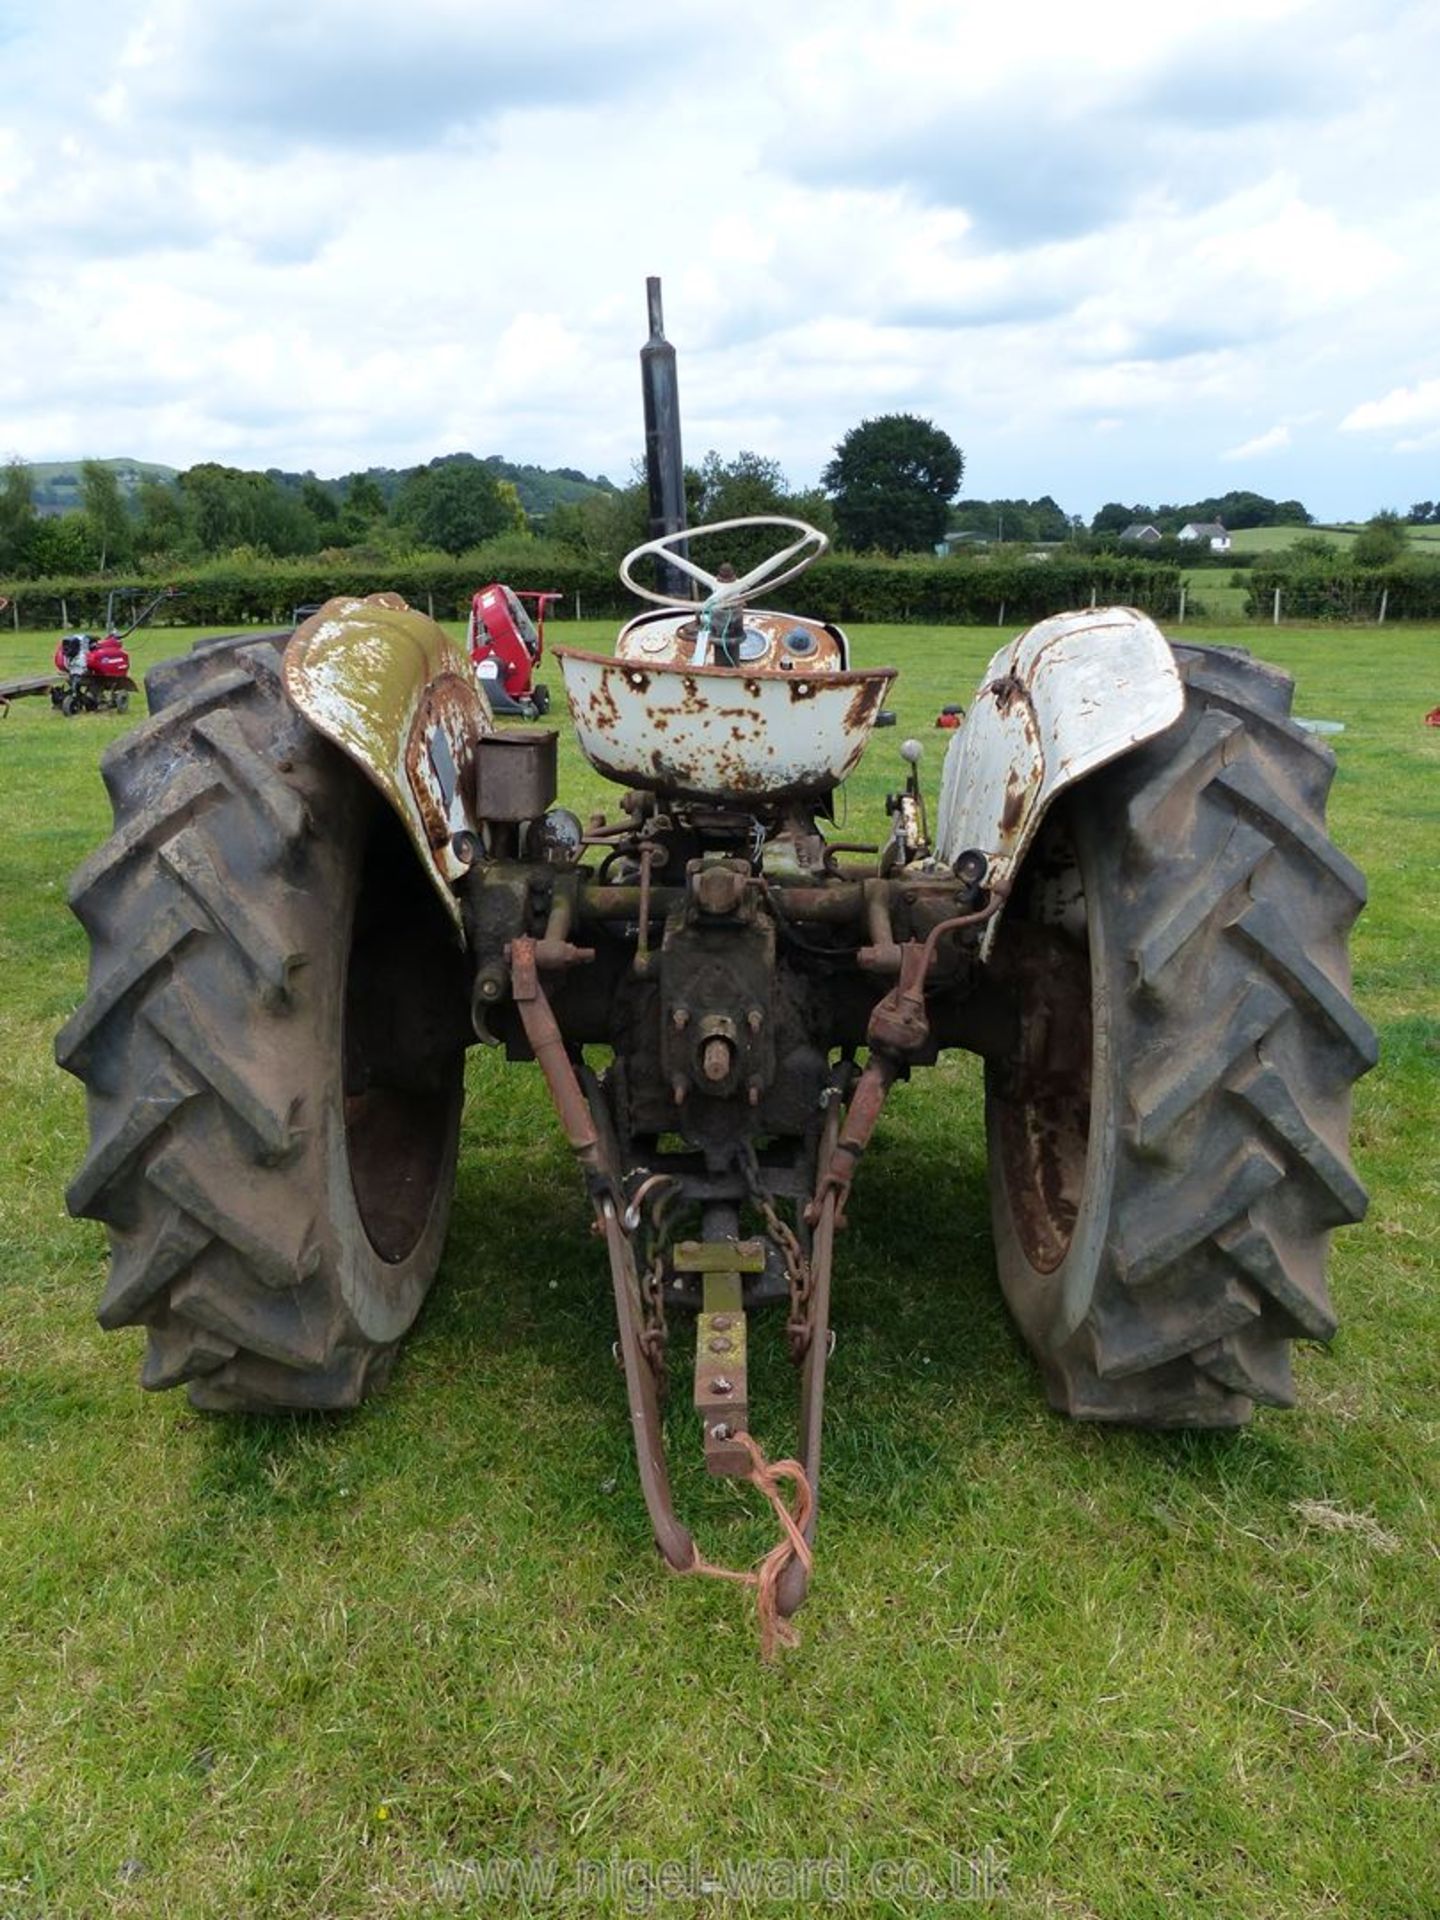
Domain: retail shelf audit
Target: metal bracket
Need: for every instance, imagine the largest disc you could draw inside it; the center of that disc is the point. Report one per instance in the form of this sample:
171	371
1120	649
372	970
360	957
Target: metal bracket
722	1396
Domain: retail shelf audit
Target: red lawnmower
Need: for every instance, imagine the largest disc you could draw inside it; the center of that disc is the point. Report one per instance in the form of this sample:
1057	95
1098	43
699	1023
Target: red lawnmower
97	672
505	646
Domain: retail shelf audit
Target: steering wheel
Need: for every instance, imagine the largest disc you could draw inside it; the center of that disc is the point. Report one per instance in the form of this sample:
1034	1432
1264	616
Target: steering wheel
773	572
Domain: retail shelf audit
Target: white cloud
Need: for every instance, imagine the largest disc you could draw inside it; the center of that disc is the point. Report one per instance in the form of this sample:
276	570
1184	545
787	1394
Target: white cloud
1094	250
1415	406
1271	441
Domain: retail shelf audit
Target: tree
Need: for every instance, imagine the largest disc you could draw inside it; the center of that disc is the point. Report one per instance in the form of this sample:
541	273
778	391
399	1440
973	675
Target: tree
363	518
730	489
1311	547
1379	541
215	506
604	526
514	507
106	515
62	544
892	481
1113	517
454	504
231	508
1040	519
738	489
320	504
164	528
363	498
17	516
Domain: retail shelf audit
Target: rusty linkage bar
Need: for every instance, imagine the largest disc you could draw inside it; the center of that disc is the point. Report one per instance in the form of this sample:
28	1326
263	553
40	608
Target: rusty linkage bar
898	1031
588	1139
526	957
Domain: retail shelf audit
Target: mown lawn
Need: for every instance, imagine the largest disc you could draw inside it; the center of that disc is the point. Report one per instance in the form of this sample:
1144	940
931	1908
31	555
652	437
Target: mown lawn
276	1667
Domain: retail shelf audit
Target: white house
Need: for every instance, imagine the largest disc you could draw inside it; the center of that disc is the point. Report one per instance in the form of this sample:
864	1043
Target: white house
1210	530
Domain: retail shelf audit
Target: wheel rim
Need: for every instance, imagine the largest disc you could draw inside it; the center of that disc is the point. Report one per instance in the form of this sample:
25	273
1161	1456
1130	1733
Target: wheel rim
402	1062
1046	1083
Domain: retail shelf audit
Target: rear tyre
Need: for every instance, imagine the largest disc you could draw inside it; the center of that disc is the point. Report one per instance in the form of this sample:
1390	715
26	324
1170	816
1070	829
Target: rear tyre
1167	1141
272	1047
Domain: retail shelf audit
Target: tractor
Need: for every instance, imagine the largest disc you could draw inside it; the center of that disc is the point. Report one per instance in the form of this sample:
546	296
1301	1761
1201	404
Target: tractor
331	874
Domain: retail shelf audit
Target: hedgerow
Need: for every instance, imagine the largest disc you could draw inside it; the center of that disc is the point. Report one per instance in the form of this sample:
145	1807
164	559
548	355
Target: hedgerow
246	588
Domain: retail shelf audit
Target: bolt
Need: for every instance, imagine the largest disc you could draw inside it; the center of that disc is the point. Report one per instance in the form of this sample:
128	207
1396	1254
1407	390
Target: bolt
753	1092
680	1019
720	1431
754	1019
722	1345
678	1090
721	1385
722	1322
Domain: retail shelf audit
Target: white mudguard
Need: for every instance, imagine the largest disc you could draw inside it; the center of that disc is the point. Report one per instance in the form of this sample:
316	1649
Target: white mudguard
1069	694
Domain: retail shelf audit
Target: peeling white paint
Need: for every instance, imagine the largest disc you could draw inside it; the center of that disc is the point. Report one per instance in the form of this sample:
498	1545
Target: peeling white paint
1065	697
720	732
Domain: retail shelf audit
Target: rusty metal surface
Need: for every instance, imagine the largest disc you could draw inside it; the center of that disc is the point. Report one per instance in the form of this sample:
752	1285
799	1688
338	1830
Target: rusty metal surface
515	773
723	733
783	642
394	692
722	1381
1065	697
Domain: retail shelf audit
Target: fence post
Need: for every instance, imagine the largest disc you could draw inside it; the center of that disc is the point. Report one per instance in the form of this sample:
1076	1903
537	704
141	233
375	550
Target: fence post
1093	591
577	603
1000	617
64	612
1181	620
1384	602
1275	617
430	604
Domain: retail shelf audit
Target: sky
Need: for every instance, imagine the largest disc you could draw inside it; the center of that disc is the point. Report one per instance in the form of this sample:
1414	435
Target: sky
1119	251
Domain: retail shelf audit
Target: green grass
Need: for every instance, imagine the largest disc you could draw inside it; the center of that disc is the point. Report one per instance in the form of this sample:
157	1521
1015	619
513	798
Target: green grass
1215	597
1272	539
282	1667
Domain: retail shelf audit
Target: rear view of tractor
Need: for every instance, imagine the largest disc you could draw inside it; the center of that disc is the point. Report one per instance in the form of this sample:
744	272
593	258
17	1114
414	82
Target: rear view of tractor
331	874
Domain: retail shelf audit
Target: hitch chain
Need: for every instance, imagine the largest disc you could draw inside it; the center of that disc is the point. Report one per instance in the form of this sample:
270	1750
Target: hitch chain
797	1270
655	1334
797	1267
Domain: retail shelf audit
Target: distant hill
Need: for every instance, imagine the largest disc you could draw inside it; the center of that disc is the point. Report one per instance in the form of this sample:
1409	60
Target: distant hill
57	482
540	488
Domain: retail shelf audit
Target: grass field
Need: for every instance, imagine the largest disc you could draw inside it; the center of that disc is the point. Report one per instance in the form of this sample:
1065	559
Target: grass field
1425	539
314	1667
1215	597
